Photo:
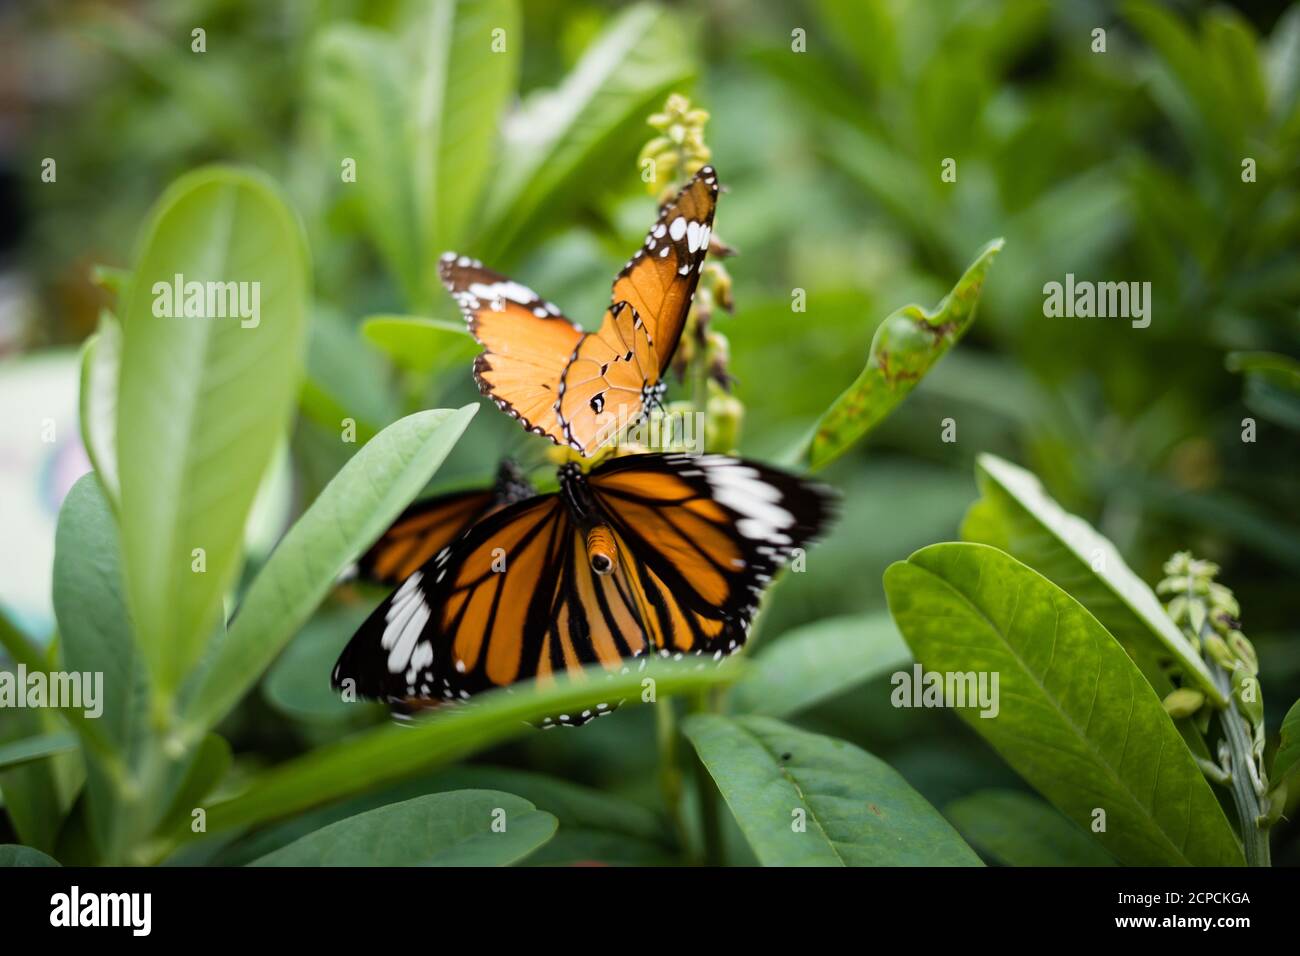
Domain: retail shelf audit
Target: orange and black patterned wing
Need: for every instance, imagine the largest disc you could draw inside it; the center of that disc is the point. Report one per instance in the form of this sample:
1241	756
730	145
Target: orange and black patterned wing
428	526
526	342
609	384
617	371
419	533
701	537
512	600
659	280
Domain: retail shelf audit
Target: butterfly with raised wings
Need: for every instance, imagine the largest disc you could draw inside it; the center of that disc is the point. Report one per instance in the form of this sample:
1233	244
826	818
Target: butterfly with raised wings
580	389
645	554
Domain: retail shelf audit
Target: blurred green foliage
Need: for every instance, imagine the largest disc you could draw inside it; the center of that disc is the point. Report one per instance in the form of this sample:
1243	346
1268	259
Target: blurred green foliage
1123	165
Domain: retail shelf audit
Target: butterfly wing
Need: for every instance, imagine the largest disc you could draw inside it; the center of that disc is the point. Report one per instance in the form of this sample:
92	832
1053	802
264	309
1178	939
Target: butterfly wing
526	342
428	526
511	600
420	532
659	281
614	370
702	537
516	598
604	389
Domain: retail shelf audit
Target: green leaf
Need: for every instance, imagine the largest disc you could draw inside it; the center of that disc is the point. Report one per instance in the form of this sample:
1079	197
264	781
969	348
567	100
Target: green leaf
351	513
360	82
576	807
1076	718
463	828
295	686
818	661
1017	829
802	799
905	347
594	826
202	403
1019	517
28	749
588	818
418	344
1287	759
37	794
462	83
1272	384
585	131
14	855
419	116
101	359
212	761
390	753
95	625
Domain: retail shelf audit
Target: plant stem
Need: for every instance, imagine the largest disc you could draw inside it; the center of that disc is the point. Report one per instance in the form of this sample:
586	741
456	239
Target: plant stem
710	810
670	773
1237	739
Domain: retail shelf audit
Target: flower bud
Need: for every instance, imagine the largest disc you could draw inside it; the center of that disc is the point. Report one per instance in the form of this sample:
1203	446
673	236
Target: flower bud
1217	648
1245	691
722	427
1244	651
1183	702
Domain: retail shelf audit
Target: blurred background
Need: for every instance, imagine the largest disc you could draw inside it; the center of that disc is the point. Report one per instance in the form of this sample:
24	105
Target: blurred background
1122	165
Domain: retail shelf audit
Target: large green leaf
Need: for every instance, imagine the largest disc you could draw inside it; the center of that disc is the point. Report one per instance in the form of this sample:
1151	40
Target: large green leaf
818	661
202	403
802	799
374	758
1018	829
905	347
1019	517
586	130
461	828
90	606
348	516
1075	717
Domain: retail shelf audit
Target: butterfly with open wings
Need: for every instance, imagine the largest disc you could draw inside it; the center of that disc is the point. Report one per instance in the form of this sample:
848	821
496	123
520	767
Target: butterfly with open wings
580	389
645	554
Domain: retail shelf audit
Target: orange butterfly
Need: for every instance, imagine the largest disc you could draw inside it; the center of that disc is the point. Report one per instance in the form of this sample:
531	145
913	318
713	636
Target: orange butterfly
581	389
645	554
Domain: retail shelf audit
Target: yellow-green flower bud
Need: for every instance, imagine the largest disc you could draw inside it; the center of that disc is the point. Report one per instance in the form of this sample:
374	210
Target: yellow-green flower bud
722	427
1177	609
1183	702
1218	650
1244	651
1245	691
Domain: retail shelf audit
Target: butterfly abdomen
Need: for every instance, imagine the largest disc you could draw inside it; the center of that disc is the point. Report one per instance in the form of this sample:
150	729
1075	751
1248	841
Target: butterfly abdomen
602	553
